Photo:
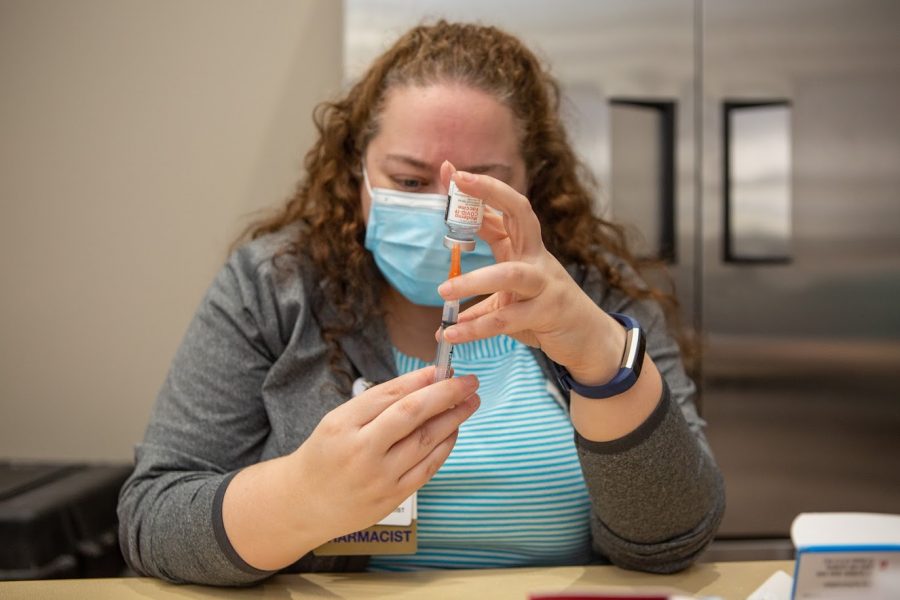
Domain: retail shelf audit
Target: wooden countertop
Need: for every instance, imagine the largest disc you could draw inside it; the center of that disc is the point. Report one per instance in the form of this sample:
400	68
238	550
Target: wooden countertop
727	580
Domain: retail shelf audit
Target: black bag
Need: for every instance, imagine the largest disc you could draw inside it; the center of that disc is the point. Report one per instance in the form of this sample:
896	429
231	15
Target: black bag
59	520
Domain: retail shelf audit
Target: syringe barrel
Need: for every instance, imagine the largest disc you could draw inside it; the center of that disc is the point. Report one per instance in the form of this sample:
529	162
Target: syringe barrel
450	313
442	360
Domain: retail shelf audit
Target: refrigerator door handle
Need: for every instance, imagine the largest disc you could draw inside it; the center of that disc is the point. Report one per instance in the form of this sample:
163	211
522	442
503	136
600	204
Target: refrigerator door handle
642	173
757	181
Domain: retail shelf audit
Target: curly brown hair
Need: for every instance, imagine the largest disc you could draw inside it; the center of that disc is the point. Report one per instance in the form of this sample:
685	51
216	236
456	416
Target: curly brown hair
327	199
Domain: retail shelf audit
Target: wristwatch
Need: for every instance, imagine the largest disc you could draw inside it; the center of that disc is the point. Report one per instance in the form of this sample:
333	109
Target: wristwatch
629	367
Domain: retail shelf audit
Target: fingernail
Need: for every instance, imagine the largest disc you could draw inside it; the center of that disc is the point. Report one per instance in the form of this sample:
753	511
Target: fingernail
450	334
444	288
465	176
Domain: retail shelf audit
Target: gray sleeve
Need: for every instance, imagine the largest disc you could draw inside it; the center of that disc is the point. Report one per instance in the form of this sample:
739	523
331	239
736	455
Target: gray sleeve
208	423
657	493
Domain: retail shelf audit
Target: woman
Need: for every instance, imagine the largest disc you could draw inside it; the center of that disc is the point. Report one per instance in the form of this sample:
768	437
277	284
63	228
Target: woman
256	454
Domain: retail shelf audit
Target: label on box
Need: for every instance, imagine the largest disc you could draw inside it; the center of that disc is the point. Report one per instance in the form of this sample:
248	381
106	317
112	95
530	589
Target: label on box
845	573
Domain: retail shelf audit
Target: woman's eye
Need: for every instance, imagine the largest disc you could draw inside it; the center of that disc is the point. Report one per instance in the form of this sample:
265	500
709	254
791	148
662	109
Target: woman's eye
409	184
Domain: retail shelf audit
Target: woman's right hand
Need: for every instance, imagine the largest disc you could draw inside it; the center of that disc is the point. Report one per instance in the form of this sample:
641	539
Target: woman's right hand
368	455
361	462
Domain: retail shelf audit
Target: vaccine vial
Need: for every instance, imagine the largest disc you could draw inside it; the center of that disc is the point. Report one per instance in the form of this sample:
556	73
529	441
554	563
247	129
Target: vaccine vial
463	218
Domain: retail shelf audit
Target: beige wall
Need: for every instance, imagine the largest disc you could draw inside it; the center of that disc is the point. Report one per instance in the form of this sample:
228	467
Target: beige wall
135	137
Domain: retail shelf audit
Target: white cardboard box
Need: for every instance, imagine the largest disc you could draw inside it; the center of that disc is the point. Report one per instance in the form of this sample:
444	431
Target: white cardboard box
846	556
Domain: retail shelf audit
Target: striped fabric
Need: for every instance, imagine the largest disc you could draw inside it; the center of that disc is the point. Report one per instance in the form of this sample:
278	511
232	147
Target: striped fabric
511	493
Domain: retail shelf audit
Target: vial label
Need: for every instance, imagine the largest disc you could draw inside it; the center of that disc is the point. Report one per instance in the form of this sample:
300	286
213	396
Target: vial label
463	211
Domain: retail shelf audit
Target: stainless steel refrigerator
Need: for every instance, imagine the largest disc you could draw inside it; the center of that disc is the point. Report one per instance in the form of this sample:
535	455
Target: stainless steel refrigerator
801	375
755	148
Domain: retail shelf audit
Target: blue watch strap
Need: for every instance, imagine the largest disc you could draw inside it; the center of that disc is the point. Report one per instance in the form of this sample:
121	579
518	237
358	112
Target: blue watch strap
629	367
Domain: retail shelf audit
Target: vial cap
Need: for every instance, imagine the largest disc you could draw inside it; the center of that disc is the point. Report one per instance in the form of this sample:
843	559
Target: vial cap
464	245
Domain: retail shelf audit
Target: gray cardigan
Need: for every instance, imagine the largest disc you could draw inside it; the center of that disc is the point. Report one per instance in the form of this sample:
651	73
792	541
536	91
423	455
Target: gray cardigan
251	380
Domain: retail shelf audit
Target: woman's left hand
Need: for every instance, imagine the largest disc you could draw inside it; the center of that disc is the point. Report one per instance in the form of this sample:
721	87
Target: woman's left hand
531	297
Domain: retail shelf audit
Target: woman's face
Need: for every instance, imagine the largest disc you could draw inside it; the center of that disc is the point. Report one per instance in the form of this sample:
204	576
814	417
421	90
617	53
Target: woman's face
421	127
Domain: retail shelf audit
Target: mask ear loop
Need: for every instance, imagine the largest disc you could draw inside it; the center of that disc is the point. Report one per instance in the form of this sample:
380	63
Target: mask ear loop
366	178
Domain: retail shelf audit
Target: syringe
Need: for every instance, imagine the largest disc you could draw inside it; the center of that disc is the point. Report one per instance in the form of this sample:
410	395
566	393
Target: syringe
449	317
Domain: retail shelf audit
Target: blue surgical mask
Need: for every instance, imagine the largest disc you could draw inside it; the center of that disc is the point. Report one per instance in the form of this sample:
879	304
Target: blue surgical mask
405	234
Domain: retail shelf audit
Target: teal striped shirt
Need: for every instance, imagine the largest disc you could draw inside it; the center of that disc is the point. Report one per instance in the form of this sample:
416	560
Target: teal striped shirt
512	492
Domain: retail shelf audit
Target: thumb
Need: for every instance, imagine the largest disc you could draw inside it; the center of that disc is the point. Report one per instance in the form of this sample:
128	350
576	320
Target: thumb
447	169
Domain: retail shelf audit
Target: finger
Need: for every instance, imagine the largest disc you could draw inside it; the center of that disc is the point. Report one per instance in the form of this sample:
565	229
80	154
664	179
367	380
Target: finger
422	472
447	170
376	399
493	231
519	218
410	412
521	278
507	320
489	304
412	449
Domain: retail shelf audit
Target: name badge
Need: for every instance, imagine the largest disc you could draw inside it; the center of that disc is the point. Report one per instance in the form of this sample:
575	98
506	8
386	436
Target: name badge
394	534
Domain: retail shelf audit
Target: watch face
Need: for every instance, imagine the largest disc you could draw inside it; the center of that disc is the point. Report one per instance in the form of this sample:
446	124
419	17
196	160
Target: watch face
632	345
639	355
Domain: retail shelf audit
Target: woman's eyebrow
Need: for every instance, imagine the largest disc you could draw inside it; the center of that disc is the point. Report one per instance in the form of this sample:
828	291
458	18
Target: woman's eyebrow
500	169
420	164
408	160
